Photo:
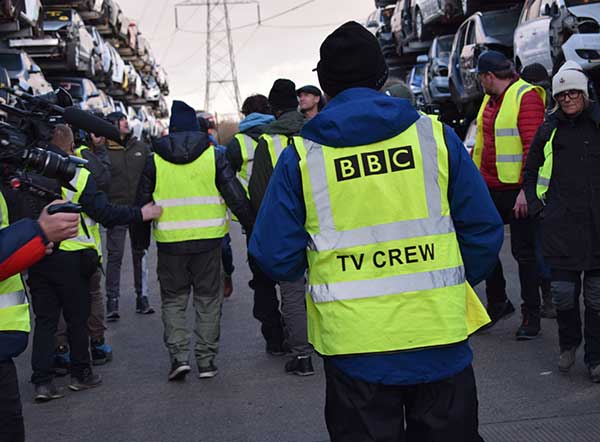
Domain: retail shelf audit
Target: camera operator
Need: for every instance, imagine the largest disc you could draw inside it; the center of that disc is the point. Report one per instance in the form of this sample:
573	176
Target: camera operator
21	245
61	280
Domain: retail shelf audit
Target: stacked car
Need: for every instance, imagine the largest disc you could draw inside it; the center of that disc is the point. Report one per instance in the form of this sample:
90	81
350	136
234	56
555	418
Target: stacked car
90	48
434	44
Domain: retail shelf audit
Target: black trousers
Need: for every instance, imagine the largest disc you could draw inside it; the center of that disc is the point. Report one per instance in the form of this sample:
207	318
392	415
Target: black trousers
566	288
11	413
443	411
522	243
266	304
61	281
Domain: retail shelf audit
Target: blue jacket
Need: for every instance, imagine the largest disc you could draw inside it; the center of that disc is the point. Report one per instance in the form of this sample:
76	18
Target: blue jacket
358	117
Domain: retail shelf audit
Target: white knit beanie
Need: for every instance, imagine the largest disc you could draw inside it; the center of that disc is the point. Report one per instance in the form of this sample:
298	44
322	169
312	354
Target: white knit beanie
570	76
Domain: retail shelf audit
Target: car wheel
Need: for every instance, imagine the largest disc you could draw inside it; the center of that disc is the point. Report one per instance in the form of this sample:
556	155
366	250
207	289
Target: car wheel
419	25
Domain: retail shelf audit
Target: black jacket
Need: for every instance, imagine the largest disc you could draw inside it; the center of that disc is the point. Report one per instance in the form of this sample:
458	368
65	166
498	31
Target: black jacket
184	148
234	150
570	215
98	165
289	123
127	165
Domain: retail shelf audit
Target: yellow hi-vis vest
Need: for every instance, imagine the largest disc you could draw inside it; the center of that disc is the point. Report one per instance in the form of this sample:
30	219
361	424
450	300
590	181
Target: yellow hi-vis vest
247	149
79	151
275	144
545	172
385	268
14	307
509	147
82	241
192	206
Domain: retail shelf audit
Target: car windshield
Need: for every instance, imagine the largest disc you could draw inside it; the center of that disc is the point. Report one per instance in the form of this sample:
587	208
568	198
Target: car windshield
12	62
445	45
500	25
570	3
72	88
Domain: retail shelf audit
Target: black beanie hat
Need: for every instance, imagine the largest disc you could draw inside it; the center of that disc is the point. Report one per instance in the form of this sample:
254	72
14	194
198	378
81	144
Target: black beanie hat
283	95
351	57
183	118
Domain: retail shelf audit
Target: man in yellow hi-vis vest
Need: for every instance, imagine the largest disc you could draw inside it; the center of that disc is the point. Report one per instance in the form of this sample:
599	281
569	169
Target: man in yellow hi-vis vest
388	214
195	184
22	244
511	112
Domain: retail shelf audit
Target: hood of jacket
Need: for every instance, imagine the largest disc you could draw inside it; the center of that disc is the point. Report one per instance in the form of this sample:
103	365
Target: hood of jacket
288	123
181	147
360	116
255	120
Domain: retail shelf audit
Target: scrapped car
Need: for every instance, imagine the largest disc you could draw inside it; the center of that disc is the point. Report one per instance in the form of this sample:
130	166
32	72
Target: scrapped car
20	16
435	77
135	89
553	31
151	89
84	92
107	23
23	72
102	57
66	45
480	32
379	24
88	9
415	83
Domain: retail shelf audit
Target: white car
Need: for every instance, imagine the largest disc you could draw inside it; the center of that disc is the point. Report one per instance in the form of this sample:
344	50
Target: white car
553	31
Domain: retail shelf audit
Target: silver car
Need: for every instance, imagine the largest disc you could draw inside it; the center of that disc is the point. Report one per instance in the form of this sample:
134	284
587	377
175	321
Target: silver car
553	31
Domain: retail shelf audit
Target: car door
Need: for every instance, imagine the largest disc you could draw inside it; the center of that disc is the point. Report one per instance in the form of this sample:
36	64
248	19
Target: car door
532	36
468	59
457	45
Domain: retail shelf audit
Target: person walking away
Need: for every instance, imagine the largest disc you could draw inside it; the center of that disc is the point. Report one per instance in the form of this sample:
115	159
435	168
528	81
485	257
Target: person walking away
561	181
284	104
61	280
311	101
511	112
390	270
195	184
127	161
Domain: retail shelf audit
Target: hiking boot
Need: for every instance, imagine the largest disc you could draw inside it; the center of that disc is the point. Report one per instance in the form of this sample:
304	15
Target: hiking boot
46	392
300	365
497	312
179	370
566	359
142	306
112	310
529	329
595	374
62	361
227	286
85	381
101	352
548	310
207	372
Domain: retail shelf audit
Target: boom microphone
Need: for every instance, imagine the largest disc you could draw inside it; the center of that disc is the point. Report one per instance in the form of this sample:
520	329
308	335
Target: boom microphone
90	123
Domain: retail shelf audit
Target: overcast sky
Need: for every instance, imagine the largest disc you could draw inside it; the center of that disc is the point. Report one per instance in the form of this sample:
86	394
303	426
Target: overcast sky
263	54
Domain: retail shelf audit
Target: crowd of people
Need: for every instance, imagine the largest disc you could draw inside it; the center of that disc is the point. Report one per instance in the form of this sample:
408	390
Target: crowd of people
379	285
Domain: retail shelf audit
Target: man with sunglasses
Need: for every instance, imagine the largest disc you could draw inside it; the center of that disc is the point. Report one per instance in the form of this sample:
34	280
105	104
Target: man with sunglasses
511	112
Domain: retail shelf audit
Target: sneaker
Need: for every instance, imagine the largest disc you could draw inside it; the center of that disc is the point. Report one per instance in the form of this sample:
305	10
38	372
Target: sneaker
101	352
566	359
86	381
529	329
497	312
142	306
300	365
62	361
207	372
179	370
46	392
112	310
595	374
275	349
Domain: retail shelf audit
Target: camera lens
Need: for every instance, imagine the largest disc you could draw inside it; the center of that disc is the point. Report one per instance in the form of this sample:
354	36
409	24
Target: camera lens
49	164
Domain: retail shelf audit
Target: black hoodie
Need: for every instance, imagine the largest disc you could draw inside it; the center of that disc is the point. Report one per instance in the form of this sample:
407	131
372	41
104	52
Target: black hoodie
184	148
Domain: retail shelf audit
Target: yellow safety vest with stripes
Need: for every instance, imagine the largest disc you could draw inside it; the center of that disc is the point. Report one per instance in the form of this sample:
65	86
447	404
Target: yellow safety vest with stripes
385	268
509	146
247	149
192	206
275	145
14	306
82	241
545	172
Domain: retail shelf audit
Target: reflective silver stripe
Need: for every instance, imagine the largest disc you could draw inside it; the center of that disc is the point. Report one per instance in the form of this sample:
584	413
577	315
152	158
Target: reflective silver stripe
196	224
521	90
509	158
69	194
543	181
84	239
394	285
277	145
249	146
508	132
13	299
330	239
191	201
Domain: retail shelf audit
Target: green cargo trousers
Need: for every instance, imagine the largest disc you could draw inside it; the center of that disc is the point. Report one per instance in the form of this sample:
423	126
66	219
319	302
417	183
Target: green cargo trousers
177	275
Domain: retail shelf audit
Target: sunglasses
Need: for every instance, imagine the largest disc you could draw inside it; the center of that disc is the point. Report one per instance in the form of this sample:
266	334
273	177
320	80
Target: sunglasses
572	94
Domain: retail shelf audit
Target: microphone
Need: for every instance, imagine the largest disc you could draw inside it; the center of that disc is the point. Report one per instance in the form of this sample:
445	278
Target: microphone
90	123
